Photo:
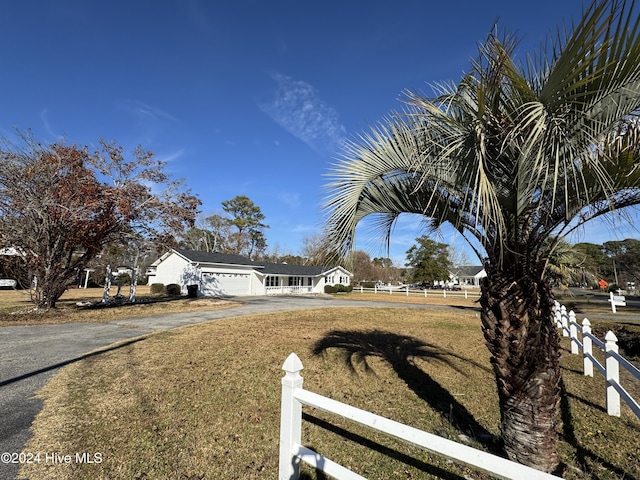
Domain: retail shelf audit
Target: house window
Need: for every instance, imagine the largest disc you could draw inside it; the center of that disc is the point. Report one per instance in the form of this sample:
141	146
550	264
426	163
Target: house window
295	281
273	281
309	282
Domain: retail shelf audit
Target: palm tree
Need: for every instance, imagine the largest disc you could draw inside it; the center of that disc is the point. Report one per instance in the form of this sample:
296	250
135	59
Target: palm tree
564	266
514	157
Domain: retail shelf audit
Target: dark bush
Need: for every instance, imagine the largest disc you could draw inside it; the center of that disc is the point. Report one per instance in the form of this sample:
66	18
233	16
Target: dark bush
329	289
339	288
174	289
157	288
368	284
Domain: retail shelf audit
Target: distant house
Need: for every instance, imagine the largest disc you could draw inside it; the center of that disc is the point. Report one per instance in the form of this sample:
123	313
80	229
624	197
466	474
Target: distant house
468	275
9	252
221	274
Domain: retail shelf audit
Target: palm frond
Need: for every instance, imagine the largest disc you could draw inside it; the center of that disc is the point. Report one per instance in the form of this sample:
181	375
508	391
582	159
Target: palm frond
513	154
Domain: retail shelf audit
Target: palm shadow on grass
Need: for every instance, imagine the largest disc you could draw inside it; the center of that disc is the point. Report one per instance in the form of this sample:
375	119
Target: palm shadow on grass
400	351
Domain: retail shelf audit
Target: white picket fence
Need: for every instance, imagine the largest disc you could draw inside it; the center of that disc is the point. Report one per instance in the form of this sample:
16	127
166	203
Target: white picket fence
582	340
293	452
405	290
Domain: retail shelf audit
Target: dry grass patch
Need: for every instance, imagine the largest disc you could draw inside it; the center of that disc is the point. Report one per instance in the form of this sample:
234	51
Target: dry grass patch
203	402
433	298
16	309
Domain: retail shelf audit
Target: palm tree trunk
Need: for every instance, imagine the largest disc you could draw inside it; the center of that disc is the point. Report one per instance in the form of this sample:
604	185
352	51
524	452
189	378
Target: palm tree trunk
517	311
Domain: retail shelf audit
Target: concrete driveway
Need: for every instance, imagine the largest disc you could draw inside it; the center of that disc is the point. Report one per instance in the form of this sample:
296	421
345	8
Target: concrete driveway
30	355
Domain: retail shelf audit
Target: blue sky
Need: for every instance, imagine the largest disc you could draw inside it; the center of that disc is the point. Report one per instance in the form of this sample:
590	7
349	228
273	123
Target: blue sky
246	97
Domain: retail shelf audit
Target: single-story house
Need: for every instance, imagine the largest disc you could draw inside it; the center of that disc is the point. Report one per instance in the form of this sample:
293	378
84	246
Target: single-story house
468	275
221	274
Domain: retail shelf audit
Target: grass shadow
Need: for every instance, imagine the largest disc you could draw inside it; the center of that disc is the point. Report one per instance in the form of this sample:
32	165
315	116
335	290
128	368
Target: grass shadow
73	360
400	351
466	308
582	453
378	447
124	302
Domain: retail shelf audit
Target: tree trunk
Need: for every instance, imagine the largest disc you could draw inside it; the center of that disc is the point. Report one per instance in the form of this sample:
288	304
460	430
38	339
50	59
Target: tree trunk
517	322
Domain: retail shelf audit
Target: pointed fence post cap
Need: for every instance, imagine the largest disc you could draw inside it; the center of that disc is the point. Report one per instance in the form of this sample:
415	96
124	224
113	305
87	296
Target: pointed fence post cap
610	337
292	364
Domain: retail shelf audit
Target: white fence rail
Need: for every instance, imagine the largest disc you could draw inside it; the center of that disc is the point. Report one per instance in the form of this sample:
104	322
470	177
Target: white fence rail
582	340
292	451
405	290
288	290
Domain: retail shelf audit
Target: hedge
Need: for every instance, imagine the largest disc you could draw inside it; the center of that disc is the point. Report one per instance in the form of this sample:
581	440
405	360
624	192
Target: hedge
337	288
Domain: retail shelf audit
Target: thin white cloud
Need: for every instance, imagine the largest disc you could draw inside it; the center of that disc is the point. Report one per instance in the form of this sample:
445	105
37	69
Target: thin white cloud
292	200
44	117
173	156
297	107
301	228
144	111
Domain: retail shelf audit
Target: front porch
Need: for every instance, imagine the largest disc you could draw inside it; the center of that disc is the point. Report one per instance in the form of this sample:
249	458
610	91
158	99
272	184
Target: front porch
290	285
288	290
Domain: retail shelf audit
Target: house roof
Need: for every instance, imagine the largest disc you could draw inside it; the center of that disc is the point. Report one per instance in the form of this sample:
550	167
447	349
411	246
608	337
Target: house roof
216	257
266	268
469	270
289	269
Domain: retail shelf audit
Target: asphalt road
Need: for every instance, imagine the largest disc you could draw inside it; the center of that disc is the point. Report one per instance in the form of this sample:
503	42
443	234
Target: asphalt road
598	297
30	355
621	315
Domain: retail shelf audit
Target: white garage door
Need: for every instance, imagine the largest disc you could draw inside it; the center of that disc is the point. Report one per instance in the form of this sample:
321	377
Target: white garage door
226	284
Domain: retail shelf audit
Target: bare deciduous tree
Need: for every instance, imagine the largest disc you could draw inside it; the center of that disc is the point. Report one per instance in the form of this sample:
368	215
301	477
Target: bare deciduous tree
62	204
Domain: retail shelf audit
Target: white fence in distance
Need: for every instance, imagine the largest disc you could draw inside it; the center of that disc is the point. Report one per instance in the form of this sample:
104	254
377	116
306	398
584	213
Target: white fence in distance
582	340
293	452
405	290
